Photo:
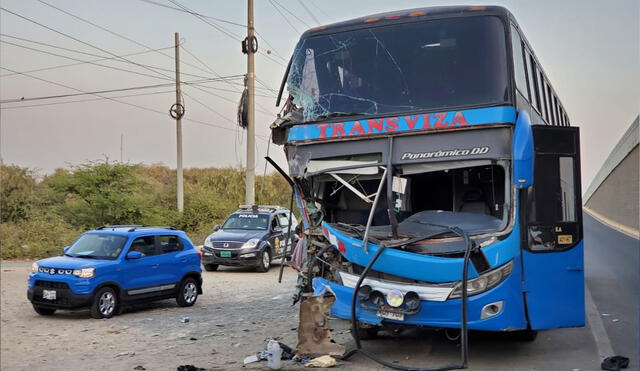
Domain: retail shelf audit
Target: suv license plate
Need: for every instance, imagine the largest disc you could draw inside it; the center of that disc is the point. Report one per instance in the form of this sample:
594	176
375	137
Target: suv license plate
225	254
49	294
390	315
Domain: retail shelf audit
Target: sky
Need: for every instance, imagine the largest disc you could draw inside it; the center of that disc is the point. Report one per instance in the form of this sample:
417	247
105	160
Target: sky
590	51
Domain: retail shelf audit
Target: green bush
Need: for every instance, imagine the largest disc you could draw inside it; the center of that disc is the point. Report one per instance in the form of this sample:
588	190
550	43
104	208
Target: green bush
41	217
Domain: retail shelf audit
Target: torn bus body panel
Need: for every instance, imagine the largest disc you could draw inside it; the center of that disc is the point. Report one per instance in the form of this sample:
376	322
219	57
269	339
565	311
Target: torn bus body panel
314	337
351	194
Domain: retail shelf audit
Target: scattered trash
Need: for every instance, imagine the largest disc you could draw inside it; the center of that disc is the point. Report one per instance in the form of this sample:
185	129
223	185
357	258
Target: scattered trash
615	363
213	351
84	330
130	354
321	362
185	320
138	367
605	314
190	368
193	339
274	354
615	320
251	359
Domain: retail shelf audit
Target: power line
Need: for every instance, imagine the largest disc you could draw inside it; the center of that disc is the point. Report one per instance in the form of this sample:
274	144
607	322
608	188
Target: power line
284	17
115	33
217	20
75	51
320	9
209	108
87	100
82	61
78	40
309	11
292	14
15	100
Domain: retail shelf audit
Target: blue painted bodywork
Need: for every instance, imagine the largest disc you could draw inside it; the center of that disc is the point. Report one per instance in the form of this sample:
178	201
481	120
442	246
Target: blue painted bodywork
400	124
124	273
523	152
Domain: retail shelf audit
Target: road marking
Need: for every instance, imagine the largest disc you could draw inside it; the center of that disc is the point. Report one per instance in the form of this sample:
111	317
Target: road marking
603	344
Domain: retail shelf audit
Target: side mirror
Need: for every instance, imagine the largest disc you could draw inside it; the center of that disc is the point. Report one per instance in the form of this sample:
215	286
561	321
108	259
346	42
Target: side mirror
66	249
134	255
216	228
277	228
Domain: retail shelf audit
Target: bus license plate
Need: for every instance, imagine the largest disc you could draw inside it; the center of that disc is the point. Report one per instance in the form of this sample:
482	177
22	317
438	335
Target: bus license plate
390	315
49	294
225	254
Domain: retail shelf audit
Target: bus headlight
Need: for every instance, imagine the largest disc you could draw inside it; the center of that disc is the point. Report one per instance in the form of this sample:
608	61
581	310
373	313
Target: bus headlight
483	283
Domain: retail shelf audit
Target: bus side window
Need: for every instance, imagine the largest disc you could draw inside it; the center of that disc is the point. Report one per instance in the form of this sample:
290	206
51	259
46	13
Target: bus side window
518	63
544	97
533	87
553	201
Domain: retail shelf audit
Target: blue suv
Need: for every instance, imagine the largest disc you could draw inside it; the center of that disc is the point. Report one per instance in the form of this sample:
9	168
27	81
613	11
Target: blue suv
112	266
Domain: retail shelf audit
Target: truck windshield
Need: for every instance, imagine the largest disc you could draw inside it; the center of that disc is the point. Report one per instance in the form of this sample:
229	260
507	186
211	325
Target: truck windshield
97	246
247	221
400	68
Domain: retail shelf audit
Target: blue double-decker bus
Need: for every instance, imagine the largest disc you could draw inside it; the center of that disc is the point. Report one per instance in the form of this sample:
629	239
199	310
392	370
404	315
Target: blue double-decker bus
425	144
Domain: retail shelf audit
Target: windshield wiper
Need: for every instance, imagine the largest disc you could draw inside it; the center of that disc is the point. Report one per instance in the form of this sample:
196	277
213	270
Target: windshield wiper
86	256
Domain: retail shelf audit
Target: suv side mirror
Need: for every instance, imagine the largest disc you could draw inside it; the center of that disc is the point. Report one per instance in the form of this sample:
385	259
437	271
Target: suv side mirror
216	228
64	251
277	228
134	255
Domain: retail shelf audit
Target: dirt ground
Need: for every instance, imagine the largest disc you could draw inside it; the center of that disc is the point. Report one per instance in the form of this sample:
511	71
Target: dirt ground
238	311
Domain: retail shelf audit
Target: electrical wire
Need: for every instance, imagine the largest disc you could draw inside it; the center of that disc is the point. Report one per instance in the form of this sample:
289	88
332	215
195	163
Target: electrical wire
292	14
309	12
78	40
86	100
284	17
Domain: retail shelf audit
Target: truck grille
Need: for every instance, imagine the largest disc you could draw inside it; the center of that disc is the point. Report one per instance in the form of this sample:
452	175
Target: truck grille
227	245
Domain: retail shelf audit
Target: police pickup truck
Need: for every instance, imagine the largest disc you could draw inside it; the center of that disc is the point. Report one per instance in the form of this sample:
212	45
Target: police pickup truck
251	236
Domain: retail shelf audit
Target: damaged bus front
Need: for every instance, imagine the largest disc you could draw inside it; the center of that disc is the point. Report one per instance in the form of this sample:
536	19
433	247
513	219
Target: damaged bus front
407	132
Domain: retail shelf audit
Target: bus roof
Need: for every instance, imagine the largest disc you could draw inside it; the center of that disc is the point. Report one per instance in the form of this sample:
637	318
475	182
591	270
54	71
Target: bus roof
400	16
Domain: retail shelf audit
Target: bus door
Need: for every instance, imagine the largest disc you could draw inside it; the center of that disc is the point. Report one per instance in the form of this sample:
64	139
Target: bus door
552	231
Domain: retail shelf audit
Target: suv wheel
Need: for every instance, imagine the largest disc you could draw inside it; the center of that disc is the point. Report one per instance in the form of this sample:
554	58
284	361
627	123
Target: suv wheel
105	303
43	311
187	292
265	262
211	267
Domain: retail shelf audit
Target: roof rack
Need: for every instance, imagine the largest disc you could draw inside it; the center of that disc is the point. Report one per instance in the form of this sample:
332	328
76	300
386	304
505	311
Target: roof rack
260	207
119	226
135	227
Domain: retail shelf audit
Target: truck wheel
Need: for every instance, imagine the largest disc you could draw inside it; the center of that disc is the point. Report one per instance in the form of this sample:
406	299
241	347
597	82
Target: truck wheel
265	262
187	292
43	311
105	303
211	267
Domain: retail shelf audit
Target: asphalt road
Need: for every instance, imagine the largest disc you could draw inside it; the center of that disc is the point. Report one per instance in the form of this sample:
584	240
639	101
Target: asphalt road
612	261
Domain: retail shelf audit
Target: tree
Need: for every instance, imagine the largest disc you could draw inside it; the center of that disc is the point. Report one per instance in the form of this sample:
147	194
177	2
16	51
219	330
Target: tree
100	193
17	196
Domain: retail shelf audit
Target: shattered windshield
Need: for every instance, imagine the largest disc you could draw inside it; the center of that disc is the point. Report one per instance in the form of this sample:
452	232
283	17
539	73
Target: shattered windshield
400	68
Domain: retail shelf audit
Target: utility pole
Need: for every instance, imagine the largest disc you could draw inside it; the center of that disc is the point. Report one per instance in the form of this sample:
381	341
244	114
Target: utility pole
177	112
251	46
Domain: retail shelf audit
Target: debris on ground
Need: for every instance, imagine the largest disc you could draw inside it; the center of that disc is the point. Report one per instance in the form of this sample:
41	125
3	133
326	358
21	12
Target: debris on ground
185	320
615	363
139	367
314	336
130	354
190	368
321	362
274	355
286	352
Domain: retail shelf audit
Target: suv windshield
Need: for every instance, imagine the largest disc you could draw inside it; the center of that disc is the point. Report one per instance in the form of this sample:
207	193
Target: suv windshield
400	68
97	246
247	221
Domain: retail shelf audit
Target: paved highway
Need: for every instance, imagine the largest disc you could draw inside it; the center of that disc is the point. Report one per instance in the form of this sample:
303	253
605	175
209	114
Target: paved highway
612	261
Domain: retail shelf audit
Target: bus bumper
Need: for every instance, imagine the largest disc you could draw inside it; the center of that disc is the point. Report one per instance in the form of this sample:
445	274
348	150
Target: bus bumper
442	314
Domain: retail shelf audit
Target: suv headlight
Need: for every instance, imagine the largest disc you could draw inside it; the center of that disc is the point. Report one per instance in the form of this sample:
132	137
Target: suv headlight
483	283
208	243
34	268
251	243
84	272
